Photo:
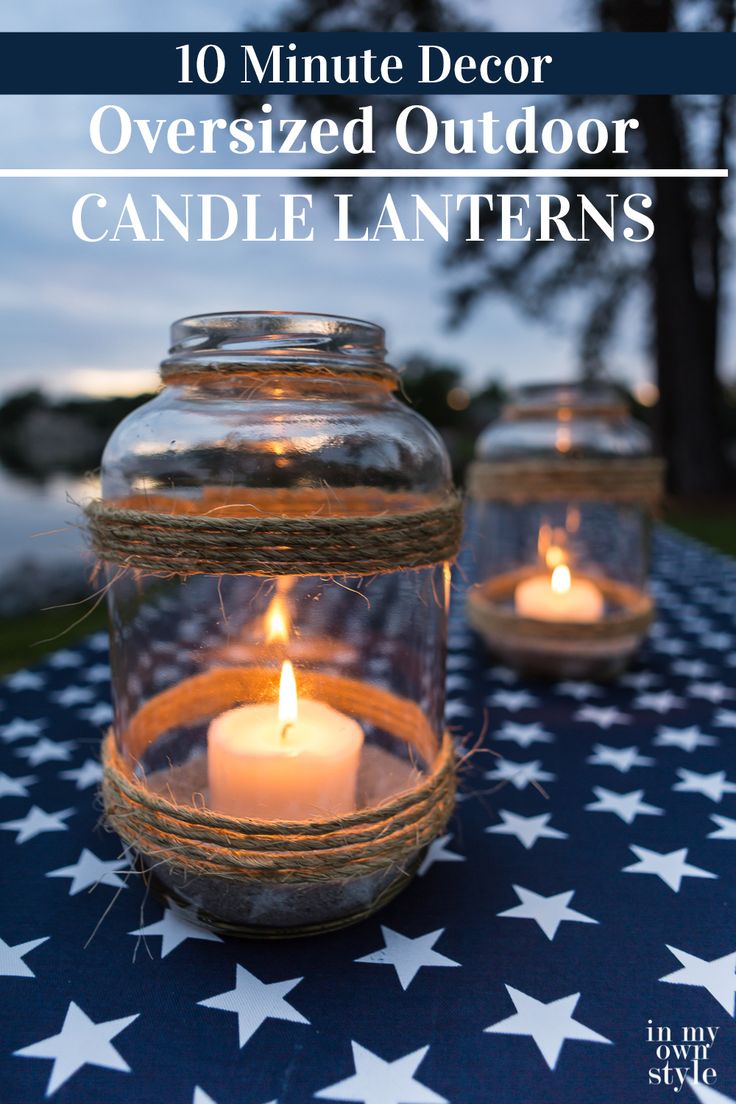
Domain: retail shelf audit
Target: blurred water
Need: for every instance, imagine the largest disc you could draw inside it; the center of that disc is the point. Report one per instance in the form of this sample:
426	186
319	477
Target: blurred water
41	521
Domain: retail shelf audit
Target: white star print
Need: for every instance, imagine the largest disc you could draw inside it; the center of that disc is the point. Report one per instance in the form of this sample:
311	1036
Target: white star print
98	672
37	821
64	658
726	827
689	739
725	718
47	751
376	1081
639	680
99	714
11	958
520	775
660	702
80	1042
201	1097
669	866
25	680
691	668
670	647
408	955
15	787
628	806
174	928
89	774
457	662
254	1001
512	700
73	695
526	829
549	1025
456	682
438	852
524	734
708	1095
623	759
578	690
718	975
503	674
19	727
457	709
98	642
713	785
717	641
602	715
548	912
714	692
89	870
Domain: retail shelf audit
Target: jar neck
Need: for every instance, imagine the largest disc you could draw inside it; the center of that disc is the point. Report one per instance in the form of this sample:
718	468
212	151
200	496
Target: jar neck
565	402
251	345
274	386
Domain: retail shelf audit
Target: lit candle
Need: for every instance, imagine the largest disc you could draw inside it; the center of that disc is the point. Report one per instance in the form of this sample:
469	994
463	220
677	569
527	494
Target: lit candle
291	760
559	597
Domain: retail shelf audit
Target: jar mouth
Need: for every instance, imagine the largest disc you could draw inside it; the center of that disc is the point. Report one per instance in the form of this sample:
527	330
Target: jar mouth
565	400
275	342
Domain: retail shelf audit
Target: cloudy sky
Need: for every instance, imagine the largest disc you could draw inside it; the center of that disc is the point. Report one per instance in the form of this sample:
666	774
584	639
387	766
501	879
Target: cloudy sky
95	317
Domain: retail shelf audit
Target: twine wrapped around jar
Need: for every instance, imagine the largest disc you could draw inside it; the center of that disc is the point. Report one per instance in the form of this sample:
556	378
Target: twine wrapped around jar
277	458
356	531
635	480
324	853
545	647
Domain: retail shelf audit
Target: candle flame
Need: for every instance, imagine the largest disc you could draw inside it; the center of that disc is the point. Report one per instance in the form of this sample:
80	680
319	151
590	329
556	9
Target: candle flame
561	579
563	438
277	621
288	708
544	538
554	556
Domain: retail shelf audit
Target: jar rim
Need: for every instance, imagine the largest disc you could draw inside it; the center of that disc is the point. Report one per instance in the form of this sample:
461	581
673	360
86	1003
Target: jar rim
565	399
261	342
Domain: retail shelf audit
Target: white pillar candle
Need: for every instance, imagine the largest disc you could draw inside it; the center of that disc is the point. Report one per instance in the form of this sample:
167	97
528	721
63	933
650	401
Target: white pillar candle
559	597
283	761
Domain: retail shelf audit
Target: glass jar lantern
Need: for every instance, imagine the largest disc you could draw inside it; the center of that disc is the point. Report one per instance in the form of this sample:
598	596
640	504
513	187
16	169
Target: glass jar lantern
276	529
561	492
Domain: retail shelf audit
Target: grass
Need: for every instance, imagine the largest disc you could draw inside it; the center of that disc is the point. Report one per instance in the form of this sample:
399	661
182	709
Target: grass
714	527
25	640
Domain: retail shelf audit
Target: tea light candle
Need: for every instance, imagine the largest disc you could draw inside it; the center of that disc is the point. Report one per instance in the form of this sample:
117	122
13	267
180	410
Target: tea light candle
559	597
291	760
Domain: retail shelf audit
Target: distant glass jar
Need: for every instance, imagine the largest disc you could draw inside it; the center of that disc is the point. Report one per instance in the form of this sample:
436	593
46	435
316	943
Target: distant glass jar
561	494
285	676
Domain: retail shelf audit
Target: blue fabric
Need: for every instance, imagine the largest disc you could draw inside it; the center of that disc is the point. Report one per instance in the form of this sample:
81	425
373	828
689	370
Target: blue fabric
483	970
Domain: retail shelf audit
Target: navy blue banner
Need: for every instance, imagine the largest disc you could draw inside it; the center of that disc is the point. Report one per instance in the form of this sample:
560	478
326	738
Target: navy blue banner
398	63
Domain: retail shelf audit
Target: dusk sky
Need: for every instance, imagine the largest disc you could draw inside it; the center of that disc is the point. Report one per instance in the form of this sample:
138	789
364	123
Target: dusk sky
76	316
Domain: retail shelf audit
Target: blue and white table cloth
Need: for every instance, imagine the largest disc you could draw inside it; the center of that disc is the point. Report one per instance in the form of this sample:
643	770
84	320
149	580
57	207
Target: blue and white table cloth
571	938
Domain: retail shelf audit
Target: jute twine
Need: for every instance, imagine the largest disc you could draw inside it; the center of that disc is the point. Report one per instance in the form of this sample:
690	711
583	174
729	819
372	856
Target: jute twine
199	841
357	531
619	480
490	613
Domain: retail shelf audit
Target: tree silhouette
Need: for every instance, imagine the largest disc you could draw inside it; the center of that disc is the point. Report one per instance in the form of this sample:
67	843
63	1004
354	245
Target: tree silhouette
677	276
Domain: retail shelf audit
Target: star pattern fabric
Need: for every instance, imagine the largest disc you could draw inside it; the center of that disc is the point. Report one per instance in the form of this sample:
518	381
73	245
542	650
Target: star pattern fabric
548	1024
407	955
254	1001
524	963
80	1042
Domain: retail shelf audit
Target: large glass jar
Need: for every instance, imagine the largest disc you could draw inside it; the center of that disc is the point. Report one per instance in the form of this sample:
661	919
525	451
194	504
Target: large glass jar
280	421
562	489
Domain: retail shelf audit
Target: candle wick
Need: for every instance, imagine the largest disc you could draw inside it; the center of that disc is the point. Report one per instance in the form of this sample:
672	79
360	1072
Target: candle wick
285	729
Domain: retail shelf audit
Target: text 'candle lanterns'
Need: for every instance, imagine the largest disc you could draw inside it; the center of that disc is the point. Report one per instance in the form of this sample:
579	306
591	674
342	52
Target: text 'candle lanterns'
561	491
276	530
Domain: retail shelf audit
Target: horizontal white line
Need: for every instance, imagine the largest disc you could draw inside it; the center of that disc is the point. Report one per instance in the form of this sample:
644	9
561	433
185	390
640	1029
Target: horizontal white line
295	174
